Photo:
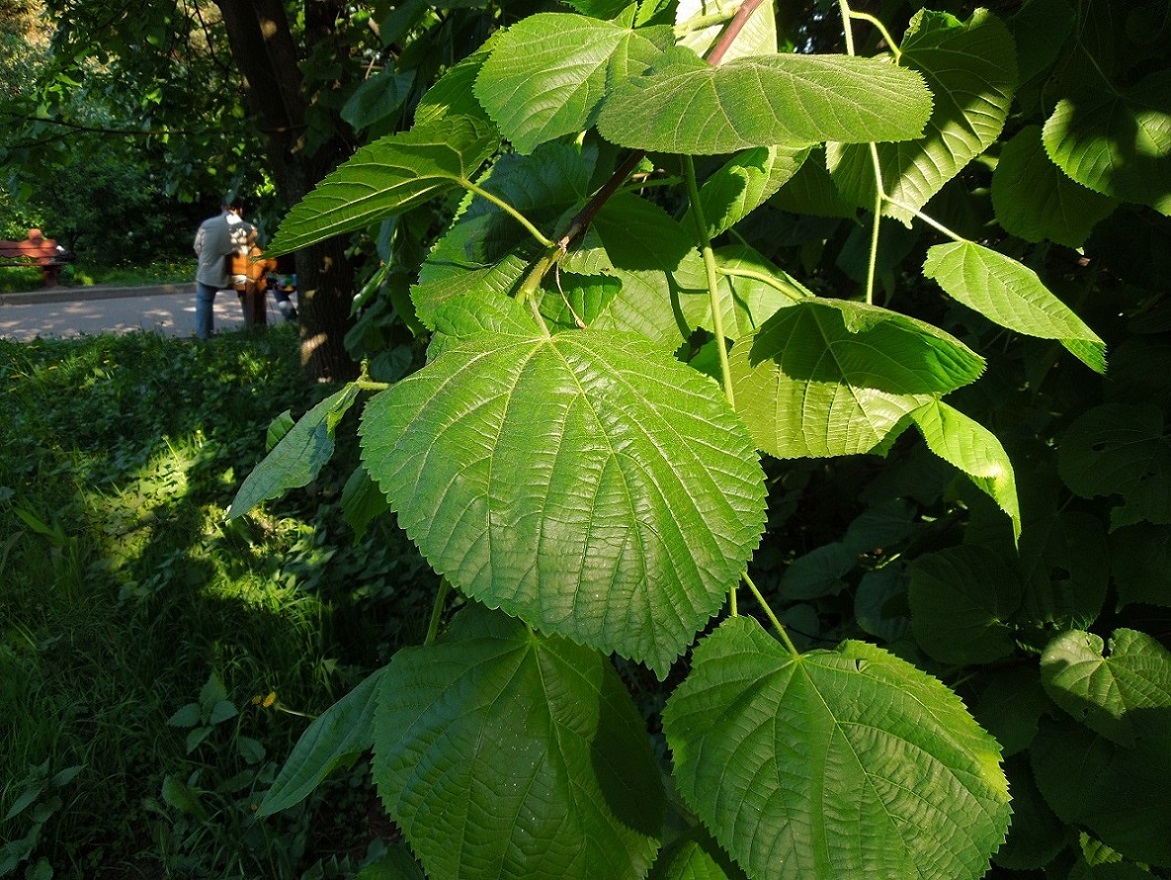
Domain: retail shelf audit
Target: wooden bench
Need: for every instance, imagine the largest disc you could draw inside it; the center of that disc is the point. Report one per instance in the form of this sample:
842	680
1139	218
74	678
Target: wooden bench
36	250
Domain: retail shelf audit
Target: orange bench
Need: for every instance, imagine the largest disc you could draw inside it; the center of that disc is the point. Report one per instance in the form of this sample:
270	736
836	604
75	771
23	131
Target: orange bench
36	250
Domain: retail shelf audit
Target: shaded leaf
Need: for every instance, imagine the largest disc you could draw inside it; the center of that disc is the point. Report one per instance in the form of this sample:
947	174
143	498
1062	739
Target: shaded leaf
377	98
590	484
844	763
687	106
1011	295
503	753
387	177
1010	707
812	191
833	377
970	68
695	856
334	739
299	455
743	184
1117	141
961	601
1141	564
452	95
1036	835
1103	692
1035	200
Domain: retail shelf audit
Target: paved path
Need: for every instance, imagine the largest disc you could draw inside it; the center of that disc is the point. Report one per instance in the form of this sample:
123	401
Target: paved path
76	311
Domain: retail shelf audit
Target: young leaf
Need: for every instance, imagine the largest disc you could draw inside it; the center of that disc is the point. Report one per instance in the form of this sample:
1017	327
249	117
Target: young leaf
829	377
973	449
548	73
961	599
298	457
386	178
1105	692
334	739
503	753
1035	200
1011	295
845	763
743	184
970	68
562	478
688	106
1117	141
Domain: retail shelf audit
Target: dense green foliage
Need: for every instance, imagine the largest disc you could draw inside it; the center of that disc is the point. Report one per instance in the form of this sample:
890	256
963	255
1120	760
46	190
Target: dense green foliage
155	664
684	293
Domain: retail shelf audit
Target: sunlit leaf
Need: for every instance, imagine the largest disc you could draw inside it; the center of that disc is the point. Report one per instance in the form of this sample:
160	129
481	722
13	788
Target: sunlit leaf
1117	141
1010	294
743	184
845	763
548	73
1105	692
687	106
588	483
758	36
970	68
833	377
386	178
503	753
298	457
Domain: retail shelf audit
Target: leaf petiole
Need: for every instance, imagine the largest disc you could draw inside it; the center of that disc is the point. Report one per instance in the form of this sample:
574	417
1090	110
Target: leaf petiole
789	646
508	209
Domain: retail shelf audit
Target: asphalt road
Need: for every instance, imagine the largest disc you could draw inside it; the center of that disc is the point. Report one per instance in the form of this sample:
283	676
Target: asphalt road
78	311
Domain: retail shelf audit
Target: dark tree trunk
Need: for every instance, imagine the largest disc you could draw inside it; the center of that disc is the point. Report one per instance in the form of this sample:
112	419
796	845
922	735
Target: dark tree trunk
263	48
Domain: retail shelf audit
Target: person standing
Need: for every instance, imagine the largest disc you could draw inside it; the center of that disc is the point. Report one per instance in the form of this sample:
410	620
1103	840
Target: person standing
216	240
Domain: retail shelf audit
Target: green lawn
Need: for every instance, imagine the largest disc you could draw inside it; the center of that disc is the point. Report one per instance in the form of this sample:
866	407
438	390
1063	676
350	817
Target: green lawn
157	663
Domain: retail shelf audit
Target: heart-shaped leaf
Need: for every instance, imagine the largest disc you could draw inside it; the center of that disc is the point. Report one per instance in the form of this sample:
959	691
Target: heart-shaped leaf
386	178
1035	200
1103	692
829	377
832	764
970	68
1117	141
1011	295
687	106
588	483
503	753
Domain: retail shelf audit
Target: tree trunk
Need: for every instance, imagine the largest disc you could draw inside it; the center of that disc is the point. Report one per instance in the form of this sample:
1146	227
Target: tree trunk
263	48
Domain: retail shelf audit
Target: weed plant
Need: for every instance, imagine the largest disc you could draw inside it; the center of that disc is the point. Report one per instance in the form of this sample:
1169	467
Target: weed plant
156	665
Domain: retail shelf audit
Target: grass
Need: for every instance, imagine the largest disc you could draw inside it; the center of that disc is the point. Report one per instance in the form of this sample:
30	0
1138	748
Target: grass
173	271
126	597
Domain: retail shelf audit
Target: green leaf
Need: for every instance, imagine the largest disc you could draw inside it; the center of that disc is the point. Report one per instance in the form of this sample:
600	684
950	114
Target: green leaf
818	573
961	599
548	73
845	763
387	177
751	290
758	36
880	603
1140	558
299	455
186	716
562	478
688	106
1010	707
812	191
183	798
1120	449
833	377
970	68
743	184
1117	142
1036	835
377	98
1011	295
695	856
973	449
1119	794
1103	692
221	712
362	502
1035	200
334	739
278	428
503	753
452	93
1065	561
